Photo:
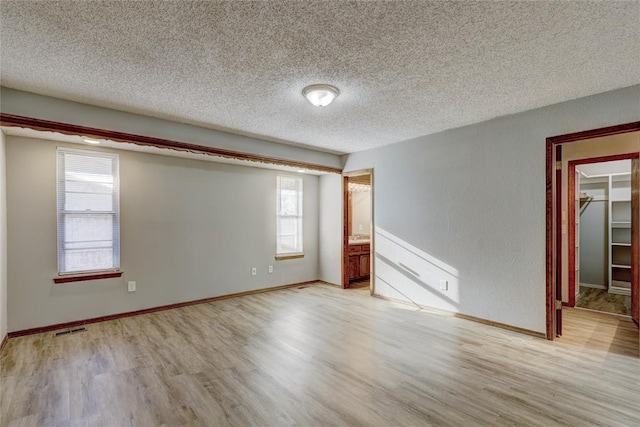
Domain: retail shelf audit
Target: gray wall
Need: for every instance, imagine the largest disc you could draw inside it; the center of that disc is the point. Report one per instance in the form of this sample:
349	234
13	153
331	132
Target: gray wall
468	206
190	229
594	252
3	240
54	109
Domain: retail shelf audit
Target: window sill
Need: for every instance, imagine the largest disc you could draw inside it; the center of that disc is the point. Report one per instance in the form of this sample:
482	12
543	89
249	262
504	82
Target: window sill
87	276
289	256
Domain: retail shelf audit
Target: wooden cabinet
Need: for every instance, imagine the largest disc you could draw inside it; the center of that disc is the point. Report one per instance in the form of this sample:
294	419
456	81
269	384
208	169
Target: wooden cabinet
359	261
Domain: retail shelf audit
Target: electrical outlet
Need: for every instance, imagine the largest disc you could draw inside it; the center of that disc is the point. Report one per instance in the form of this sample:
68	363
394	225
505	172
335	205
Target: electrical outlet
270	269
254	271
444	285
131	286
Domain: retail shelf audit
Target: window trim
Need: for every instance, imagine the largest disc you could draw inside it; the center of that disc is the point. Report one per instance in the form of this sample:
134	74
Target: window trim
281	256
73	277
82	275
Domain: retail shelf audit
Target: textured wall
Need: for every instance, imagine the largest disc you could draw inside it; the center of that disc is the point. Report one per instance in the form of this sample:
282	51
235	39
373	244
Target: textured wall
468	206
189	229
330	221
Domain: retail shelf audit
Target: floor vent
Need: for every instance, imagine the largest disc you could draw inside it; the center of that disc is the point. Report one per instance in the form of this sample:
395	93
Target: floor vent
70	331
302	287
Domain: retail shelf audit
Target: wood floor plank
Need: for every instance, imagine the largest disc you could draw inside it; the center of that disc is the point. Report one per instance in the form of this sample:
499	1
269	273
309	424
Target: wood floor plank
320	355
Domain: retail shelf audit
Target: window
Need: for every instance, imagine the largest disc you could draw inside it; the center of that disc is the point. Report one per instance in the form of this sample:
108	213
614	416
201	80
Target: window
289	211
88	211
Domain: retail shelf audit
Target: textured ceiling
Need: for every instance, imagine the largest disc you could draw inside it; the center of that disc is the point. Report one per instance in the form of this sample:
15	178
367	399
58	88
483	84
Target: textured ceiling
404	69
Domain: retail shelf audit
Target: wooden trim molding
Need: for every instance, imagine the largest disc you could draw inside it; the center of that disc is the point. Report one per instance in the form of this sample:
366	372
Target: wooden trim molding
467	317
4	342
70	129
286	257
594	133
345	232
553	255
571	232
151	310
87	276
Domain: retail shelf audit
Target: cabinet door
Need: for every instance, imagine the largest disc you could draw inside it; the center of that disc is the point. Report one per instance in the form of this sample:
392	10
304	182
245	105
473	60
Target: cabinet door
354	266
364	265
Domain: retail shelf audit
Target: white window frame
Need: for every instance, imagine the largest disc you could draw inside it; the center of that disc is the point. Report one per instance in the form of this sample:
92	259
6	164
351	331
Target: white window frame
300	230
114	213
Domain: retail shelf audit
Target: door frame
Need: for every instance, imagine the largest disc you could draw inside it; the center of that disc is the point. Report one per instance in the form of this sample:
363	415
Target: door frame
571	211
345	229
553	230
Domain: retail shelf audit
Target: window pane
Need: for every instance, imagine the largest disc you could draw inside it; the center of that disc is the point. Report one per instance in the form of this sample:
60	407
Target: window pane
289	210
89	187
88	259
83	167
83	228
288	202
88	202
288	225
87	183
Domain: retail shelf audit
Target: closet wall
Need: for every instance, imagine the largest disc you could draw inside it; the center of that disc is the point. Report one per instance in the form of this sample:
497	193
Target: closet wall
593	234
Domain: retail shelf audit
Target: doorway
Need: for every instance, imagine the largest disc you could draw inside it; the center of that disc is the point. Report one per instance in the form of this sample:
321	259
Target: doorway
599	238
357	271
563	206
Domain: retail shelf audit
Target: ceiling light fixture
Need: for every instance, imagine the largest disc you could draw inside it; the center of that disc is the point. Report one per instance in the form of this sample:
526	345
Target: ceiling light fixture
301	170
91	141
320	95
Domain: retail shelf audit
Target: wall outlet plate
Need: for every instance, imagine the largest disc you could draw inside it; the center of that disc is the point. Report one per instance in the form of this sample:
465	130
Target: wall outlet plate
254	271
131	286
270	269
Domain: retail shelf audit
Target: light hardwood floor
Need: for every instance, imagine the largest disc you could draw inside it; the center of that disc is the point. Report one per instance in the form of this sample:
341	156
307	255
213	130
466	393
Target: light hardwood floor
312	356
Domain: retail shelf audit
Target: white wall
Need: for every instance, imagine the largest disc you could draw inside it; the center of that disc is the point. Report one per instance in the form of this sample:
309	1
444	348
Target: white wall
468	206
58	110
361	213
190	229
330	230
3	240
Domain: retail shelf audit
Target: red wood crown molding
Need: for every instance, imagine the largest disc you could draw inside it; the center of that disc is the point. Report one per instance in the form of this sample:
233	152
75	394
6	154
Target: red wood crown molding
594	133
12	120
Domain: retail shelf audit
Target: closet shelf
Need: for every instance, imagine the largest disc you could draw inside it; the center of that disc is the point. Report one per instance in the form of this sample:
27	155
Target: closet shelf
621	224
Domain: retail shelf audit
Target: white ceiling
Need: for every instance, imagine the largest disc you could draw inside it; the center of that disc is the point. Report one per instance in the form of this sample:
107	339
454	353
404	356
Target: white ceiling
404	69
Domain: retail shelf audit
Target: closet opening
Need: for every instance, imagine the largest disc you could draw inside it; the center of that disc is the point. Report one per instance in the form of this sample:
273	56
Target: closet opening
357	269
593	239
600	242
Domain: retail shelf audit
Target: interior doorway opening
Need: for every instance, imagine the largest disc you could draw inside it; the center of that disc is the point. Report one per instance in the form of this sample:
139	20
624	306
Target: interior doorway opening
600	242
358	236
582	180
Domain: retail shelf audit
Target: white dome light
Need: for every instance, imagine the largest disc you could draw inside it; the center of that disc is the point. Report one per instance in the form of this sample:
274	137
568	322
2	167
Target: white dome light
320	95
